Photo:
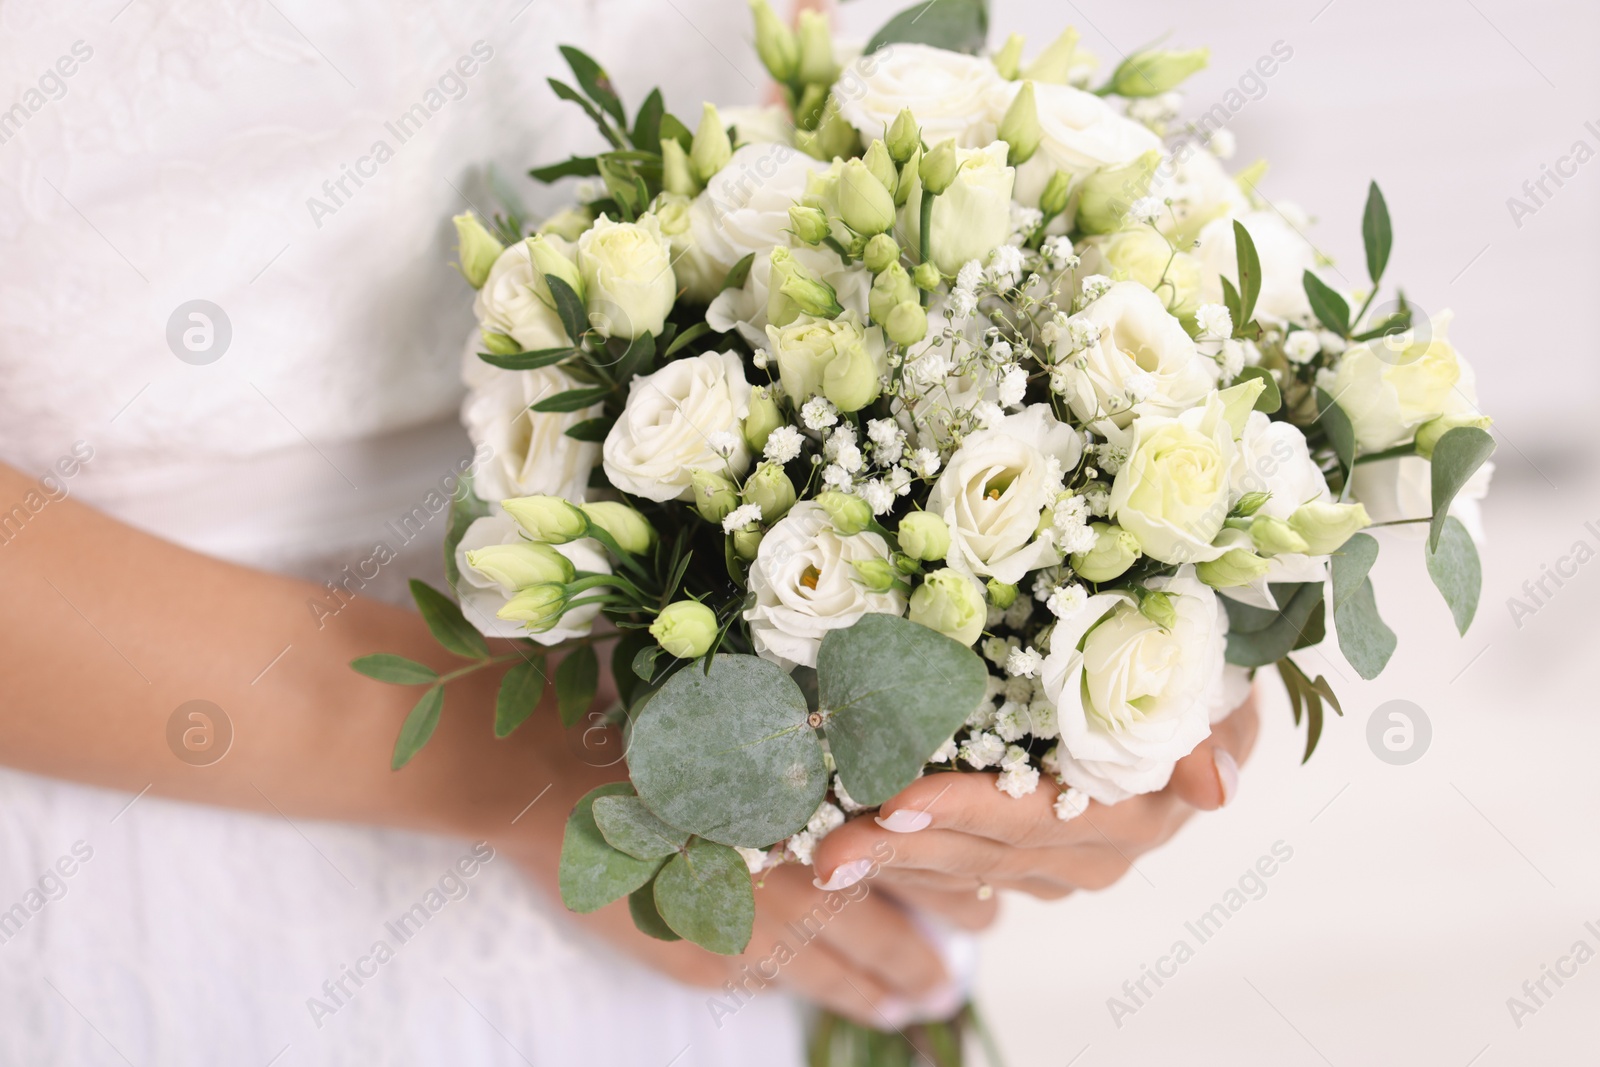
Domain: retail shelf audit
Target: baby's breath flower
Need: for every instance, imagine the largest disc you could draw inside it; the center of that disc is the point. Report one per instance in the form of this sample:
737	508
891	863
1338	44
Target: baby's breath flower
1013	386
1301	346
818	413
1095	286
1146	209
740	517
1072	803
1231	358
925	462
969	277
1023	662
1066	600
783	444
983	750
877	495
1214	321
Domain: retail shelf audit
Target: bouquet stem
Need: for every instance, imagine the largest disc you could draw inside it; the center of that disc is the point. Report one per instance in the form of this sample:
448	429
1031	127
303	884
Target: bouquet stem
837	1042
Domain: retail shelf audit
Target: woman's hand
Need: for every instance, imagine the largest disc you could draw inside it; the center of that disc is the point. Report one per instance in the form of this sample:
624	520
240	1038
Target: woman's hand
950	835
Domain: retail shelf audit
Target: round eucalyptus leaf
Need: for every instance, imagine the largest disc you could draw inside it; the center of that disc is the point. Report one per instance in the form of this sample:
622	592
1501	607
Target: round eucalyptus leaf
593	874
891	692
729	754
630	826
704	895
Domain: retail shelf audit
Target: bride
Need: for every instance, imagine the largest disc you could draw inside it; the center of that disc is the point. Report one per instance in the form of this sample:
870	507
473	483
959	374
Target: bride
228	350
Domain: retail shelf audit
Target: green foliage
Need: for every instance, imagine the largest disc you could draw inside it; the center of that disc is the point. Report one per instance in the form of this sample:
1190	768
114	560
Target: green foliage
593	874
569	307
520	691
1329	307
543	357
1376	233
631	827
1258	637
1249	265
1456	458
1364	638
1455	570
1306	698
577	679
1270	401
646	917
396	670
1341	435
445	621
954	25
704	894
418	727
465	509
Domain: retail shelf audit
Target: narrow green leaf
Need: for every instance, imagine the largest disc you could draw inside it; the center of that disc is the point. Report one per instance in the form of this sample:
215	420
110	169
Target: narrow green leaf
1397	322
1329	307
1292	683
544	357
630	826
1341	435
704	895
593	874
644	661
567	92
1376	233
737	276
574	318
1456	571
1313	725
596	82
594	430
1257	637
638	358
647	124
1364	638
673	129
1456	458
687	337
577	678
418	727
953	25
396	670
1230	299
519	695
575	167
449	627
573	400
1249	264
1271	399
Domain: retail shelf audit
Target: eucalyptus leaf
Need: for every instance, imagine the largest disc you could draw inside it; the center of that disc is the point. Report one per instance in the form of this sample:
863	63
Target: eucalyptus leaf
1456	571
519	695
953	25
1456	458
593	874
646	916
396	670
1257	637
1376	233
1328	306
1271	399
1364	638
630	826
728	754
418	727
577	679
1351	564
449	627
891	692
704	895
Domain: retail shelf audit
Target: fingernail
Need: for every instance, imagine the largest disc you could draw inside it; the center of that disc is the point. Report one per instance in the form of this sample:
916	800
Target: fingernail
844	876
905	821
896	1012
1227	774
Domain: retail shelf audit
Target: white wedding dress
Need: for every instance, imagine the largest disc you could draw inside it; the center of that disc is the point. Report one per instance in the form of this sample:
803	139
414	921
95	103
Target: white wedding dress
173	163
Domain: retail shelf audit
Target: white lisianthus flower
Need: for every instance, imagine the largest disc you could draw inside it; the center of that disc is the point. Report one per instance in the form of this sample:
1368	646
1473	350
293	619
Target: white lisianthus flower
1273	458
745	206
972	218
1393	385
530	452
745	309
948	92
1402	488
1173	492
805	584
759	125
1285	257
627	275
995	490
1081	133
667	428
1131	698
515	299
482	596
1140	346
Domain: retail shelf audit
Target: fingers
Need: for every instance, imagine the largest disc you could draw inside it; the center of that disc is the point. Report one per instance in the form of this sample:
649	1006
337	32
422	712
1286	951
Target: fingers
1208	777
958	905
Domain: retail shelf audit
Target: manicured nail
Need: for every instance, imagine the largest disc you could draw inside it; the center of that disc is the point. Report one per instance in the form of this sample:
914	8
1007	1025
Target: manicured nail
896	1012
1227	774
942	1003
844	876
905	821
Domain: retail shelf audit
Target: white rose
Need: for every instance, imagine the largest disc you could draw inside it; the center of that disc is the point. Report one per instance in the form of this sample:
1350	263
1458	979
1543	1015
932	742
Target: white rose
1081	134
993	492
1285	257
530	452
1137	334
515	300
745	207
482	596
1393	385
745	309
1273	458
971	218
1173	493
1133	699
759	125
670	423
627	273
949	93
805	584
1402	488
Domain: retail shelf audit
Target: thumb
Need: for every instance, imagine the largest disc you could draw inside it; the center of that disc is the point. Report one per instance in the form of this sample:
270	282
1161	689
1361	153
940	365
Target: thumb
1208	777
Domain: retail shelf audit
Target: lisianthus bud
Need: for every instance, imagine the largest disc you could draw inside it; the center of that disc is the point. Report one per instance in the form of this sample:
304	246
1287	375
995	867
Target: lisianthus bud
1008	61
1237	566
714	495
1053	201
770	489
1020	128
1326	527
908	323
817	65
626	526
908	178
924	536
538	607
1157	607
1054	64
849	514
1108	194
878	575
1156	71
809	224
775	43
685	629
891	288
569	223
1430	432
747	542
808	111
904	136
879	162
852	379
677	175
711	149
927	276
938	168
1274	537
476	249
549	519
764	417
498	343
1249	504
1001	595
810	296
1114	551
881	251
834	138
521	564
1239	400
548	259
949	602
864	204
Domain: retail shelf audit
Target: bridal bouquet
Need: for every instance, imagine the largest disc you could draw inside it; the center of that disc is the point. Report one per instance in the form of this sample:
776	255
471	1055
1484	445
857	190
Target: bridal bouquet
953	417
